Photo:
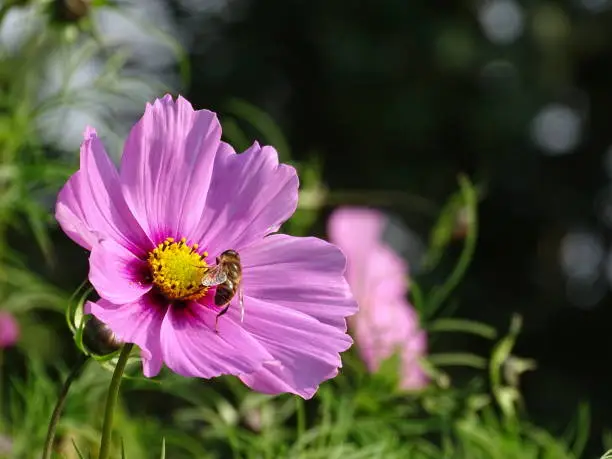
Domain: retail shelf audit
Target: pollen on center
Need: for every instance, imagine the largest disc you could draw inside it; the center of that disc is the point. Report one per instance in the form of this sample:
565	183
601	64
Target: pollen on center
177	269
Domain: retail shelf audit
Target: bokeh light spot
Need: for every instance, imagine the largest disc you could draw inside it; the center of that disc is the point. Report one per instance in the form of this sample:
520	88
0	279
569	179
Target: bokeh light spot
556	129
582	254
502	21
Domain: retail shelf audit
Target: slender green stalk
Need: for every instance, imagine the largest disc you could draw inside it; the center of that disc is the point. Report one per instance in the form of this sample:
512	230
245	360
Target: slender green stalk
1	385
441	294
301	417
59	406
111	402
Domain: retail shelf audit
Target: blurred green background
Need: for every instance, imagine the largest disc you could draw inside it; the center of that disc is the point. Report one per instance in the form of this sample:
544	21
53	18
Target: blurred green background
381	103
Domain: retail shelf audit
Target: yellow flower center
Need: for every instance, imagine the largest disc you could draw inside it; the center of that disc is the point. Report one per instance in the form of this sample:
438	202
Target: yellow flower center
177	270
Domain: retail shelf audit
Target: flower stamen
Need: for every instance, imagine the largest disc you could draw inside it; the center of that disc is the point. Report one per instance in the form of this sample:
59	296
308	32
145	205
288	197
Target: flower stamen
177	269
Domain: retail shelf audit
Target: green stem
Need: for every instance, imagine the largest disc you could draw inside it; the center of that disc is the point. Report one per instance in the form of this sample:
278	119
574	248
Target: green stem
1	386
59	406
301	417
440	295
111	402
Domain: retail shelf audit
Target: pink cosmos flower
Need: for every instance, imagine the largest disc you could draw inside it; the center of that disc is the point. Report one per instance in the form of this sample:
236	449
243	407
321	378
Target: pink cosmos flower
9	330
386	322
180	198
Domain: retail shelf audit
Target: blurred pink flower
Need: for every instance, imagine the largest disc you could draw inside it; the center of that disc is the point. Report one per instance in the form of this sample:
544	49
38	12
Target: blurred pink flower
9	330
180	198
386	323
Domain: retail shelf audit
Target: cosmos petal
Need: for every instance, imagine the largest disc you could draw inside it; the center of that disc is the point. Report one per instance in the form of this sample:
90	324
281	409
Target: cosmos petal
307	351
167	166
381	278
359	233
383	331
191	347
386	322
274	379
71	217
305	274
343	221
116	273
139	323
91	207
251	195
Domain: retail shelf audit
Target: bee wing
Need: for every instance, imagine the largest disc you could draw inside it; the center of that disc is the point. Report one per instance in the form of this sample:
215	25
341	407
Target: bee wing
214	276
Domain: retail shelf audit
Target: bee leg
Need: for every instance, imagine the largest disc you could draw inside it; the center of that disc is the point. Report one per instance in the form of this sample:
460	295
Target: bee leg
241	294
223	311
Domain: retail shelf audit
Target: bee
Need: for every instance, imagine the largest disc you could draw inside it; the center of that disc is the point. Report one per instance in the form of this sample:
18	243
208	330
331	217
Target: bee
226	275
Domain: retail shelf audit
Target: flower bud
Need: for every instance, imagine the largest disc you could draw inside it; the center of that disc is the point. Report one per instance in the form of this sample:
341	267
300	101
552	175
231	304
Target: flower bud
99	339
70	10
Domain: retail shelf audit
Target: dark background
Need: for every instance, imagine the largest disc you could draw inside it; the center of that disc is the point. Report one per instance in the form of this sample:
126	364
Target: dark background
403	95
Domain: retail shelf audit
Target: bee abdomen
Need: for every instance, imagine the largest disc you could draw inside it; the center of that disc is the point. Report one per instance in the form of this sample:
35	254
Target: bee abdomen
225	293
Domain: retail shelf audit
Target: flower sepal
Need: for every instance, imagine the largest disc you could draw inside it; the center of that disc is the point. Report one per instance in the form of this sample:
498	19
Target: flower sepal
95	340
132	368
75	318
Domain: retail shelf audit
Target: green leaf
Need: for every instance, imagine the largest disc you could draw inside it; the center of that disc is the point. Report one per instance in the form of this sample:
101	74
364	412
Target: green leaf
502	351
462	359
505	396
435	374
163	450
312	197
234	135
579	430
417	297
265	124
442	232
389	371
464	326
78	451
36	218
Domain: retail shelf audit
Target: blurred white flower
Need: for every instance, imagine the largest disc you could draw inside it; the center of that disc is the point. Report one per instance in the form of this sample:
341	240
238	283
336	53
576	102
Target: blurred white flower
90	82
